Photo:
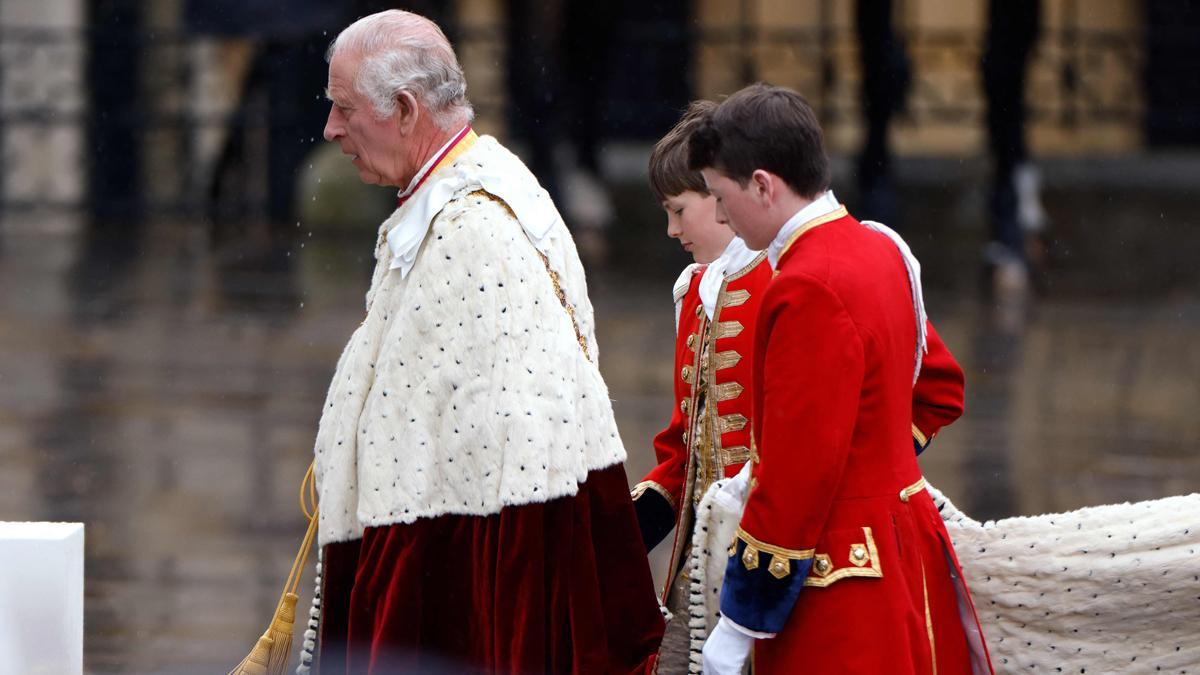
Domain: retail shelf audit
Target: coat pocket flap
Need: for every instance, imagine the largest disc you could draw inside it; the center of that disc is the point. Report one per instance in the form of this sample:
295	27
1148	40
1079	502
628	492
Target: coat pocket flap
844	553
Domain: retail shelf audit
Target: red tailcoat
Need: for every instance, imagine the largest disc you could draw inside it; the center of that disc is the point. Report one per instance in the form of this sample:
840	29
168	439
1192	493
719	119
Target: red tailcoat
709	435
841	551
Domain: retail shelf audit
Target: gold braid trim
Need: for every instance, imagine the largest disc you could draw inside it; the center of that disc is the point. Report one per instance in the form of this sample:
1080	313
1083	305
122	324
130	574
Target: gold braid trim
562	298
921	439
779	565
640	489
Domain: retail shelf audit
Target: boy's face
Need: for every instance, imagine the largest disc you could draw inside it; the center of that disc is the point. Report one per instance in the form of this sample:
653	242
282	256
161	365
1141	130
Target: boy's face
744	208
692	219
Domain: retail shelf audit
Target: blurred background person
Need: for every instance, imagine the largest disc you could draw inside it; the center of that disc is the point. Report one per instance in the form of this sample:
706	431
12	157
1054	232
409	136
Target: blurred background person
1017	220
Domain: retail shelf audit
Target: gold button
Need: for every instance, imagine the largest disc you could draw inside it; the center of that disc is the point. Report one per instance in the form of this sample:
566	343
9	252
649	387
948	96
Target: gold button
683	405
822	566
750	557
780	567
686	374
859	553
699	309
691	342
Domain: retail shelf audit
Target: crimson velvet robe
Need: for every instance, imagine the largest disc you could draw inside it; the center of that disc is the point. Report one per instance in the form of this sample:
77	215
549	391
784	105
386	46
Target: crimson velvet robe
554	587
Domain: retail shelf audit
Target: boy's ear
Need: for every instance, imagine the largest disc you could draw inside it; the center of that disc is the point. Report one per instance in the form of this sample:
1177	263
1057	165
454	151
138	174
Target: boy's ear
763	186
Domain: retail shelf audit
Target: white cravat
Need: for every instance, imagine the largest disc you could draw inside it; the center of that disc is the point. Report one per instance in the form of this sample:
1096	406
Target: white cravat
735	257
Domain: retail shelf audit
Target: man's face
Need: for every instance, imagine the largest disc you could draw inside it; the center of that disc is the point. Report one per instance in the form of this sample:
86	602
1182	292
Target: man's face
692	219
742	208
376	145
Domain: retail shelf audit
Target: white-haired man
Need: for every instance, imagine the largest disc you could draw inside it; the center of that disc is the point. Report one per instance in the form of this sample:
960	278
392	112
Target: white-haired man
474	508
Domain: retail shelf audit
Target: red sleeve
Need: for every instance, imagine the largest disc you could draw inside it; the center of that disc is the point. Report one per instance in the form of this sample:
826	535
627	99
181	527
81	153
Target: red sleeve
811	386
938	393
810	395
672	457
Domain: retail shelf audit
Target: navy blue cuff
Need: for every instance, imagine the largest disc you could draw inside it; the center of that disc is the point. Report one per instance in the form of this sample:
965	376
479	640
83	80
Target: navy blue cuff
655	517
757	598
918	447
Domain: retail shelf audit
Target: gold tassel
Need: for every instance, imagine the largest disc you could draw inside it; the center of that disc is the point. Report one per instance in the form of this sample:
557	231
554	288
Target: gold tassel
271	652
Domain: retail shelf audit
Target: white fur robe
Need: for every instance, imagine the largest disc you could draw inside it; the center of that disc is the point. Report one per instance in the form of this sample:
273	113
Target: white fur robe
465	389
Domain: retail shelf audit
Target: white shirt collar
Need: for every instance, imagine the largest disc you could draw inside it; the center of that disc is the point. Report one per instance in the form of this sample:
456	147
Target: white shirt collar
822	205
428	166
734	259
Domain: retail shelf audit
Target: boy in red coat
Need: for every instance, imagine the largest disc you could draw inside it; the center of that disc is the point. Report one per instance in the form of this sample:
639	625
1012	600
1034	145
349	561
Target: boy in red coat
708	439
836	507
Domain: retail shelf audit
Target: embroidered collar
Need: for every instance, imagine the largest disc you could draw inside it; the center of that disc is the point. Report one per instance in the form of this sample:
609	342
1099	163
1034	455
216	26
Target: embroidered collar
822	210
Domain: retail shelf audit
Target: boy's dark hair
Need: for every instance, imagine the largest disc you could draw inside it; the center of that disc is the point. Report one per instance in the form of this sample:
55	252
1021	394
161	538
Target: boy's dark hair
669	172
763	127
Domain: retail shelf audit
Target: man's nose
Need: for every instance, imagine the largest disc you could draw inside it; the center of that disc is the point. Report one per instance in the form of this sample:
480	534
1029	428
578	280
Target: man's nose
333	125
722	217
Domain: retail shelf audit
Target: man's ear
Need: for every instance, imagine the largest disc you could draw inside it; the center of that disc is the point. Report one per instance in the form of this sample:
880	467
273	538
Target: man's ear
762	186
407	112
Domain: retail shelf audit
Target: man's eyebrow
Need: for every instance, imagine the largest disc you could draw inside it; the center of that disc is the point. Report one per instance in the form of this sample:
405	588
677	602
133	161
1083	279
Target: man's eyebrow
334	98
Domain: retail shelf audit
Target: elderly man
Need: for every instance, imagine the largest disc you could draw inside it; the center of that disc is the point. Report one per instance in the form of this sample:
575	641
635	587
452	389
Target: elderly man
474	507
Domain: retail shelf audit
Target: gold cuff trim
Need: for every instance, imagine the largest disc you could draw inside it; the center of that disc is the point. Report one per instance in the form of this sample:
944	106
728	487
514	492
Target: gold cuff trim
780	563
921	439
839	212
729	423
825	571
734	298
640	489
727	329
728	391
789	553
727	359
736	455
911	490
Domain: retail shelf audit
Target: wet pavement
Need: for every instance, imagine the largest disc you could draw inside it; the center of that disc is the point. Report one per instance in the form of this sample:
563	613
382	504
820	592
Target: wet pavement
169	402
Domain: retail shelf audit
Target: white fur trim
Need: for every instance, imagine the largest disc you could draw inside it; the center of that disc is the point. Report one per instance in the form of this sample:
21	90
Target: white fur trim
465	389
1108	589
717	519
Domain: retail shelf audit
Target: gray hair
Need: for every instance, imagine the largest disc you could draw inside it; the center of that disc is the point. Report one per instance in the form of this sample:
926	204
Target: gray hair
403	51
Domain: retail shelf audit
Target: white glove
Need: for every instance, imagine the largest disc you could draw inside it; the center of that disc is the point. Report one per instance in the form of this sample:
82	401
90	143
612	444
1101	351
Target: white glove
727	650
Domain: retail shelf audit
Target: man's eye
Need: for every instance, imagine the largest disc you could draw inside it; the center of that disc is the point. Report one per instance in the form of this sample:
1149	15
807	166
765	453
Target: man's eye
679	212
